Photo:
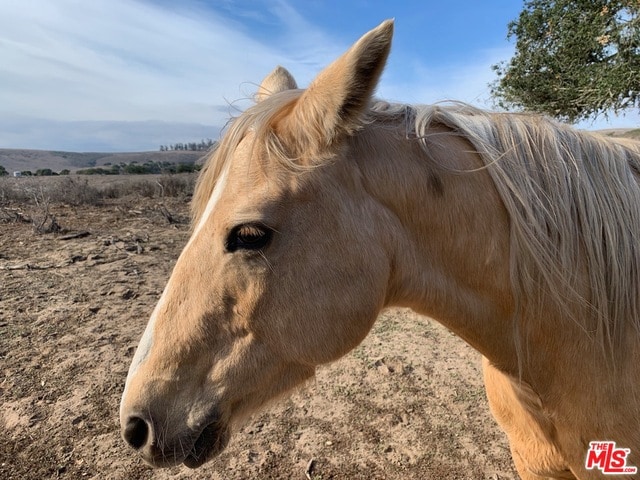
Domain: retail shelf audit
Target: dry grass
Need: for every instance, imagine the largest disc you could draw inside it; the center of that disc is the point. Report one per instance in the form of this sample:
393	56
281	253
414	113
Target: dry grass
93	190
28	200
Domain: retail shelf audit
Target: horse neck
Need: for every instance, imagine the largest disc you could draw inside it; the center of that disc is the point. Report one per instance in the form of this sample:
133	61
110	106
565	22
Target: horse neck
448	233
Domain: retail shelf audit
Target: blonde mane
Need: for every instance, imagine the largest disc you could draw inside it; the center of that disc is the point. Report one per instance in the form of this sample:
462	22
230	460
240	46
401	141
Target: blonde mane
572	198
574	207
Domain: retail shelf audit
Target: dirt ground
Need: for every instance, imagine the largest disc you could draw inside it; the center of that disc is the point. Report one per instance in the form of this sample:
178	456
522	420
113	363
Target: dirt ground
406	404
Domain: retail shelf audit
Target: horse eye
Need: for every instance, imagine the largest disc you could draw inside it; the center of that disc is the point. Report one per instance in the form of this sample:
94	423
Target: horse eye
248	237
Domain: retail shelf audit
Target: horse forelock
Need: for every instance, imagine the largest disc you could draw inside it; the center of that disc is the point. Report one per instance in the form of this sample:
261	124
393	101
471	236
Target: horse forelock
574	207
259	120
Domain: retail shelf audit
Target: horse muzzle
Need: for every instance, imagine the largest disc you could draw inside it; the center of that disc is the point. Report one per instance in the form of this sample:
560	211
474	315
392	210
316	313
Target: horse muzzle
160	448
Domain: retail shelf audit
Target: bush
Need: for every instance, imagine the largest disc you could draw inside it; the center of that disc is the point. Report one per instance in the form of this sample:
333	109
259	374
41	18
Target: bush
97	171
78	192
175	186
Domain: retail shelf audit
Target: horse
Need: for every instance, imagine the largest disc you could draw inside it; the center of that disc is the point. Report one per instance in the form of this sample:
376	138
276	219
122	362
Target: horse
323	206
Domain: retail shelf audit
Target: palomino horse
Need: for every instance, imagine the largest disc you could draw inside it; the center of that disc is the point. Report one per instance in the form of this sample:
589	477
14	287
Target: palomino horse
321	207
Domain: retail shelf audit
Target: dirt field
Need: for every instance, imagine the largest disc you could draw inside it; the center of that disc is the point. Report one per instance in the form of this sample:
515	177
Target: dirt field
406	404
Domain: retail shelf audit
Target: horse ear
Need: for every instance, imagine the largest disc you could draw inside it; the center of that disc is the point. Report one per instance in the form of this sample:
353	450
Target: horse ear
332	105
277	81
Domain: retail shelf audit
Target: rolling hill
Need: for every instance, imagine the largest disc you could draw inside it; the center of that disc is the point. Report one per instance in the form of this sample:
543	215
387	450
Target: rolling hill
19	160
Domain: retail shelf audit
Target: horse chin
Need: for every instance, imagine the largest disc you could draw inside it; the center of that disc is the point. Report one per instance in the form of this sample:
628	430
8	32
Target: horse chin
211	442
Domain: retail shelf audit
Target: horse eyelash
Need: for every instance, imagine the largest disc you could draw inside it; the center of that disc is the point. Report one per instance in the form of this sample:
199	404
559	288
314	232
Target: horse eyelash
263	237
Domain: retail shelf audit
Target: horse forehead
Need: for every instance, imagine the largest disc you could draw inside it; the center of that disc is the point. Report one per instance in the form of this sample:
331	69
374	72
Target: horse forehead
252	172
247	159
256	172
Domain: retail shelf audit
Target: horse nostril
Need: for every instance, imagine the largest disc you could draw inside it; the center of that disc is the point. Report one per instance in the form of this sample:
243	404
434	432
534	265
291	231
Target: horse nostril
136	432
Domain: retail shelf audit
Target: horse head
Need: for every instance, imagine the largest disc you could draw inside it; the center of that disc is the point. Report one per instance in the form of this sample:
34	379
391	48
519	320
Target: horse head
286	267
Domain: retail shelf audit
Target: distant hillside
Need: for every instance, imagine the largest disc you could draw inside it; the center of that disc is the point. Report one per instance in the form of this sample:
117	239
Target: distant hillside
633	133
20	160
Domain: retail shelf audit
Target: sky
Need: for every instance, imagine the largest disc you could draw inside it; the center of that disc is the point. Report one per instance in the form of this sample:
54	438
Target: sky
131	75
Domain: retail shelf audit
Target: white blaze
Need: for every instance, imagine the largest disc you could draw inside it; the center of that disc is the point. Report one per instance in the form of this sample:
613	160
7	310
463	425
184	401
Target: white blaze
146	342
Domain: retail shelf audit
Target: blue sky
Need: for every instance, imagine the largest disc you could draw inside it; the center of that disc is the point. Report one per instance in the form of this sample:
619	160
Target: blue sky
129	75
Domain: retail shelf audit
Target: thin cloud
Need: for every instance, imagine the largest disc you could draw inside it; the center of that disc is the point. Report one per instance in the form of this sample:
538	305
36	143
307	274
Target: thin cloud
100	136
426	84
120	60
126	60
131	62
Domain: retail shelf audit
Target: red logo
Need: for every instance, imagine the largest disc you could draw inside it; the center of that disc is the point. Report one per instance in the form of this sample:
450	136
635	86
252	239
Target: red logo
609	459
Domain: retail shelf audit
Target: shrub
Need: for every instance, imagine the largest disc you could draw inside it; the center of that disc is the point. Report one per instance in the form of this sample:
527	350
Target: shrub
175	186
75	192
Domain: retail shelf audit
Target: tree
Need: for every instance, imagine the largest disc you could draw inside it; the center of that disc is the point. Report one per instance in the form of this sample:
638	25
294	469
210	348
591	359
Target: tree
575	59
3	171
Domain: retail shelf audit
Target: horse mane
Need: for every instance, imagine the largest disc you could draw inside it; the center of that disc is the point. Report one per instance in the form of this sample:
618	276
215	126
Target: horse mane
572	198
574	206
